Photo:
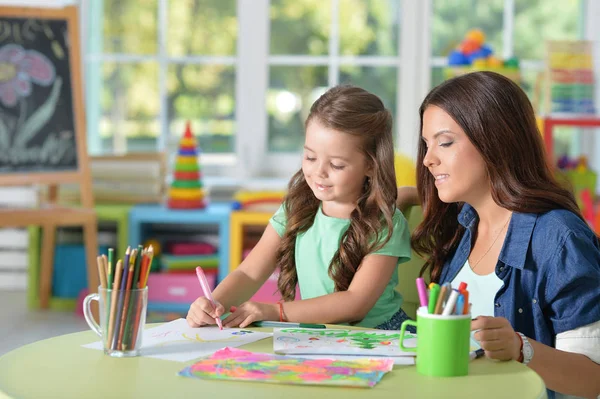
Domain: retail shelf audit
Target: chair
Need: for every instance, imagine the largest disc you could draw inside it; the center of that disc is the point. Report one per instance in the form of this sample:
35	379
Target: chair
49	218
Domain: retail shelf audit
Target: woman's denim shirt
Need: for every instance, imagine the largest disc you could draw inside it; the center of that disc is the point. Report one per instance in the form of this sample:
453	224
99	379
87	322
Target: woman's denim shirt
550	265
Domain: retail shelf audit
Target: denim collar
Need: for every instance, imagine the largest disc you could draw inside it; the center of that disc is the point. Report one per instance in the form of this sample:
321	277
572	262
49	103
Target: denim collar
518	236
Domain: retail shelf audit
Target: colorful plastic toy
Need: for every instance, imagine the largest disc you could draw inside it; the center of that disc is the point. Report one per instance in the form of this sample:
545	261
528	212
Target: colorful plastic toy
186	190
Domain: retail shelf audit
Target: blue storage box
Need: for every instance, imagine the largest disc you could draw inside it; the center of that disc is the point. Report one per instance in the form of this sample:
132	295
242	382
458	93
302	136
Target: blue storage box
70	270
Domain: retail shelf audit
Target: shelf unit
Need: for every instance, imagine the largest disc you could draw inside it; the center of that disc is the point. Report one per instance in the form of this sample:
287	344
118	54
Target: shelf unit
238	221
141	217
549	122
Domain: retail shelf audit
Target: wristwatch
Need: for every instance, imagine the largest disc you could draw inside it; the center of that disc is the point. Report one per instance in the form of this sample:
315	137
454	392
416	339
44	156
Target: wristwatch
526	349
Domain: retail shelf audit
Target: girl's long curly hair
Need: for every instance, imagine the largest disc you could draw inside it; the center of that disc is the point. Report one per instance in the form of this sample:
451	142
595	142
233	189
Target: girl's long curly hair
498	119
353	111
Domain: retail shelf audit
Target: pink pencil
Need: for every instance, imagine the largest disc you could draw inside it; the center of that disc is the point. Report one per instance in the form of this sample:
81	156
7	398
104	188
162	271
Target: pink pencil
207	292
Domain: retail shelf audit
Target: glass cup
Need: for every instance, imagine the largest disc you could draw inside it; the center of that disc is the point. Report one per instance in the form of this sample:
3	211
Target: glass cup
443	343
122	318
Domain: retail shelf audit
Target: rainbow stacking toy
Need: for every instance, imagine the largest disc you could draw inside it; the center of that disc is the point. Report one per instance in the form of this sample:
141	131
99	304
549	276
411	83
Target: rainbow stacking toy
186	190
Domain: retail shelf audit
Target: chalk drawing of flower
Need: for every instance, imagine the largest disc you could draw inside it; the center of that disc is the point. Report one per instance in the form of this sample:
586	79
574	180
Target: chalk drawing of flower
19	68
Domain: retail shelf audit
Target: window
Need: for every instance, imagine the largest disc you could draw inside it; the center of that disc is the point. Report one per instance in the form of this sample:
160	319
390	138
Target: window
245	72
316	44
152	65
513	28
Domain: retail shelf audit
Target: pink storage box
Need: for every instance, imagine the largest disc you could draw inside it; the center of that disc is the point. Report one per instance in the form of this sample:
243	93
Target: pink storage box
191	248
177	287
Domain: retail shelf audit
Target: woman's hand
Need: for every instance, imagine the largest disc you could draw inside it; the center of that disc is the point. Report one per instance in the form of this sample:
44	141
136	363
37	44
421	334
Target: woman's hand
249	312
202	312
497	337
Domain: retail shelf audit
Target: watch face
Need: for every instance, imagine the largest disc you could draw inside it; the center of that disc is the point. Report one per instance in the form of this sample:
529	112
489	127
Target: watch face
527	351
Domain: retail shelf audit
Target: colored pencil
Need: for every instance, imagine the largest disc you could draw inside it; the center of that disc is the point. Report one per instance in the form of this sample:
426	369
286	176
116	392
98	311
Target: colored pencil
101	271
102	275
109	284
136	321
113	306
110	267
150	256
126	301
105	264
121	298
143	268
136	268
130	305
139	306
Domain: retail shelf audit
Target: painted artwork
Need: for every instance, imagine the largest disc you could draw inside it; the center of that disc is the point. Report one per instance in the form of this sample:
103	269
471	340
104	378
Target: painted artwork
298	341
240	365
177	341
37	125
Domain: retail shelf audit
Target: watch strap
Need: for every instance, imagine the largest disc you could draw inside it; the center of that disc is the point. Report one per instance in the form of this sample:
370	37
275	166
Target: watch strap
520	359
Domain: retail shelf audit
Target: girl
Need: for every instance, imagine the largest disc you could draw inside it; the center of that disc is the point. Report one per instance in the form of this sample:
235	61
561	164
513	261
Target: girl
338	234
495	217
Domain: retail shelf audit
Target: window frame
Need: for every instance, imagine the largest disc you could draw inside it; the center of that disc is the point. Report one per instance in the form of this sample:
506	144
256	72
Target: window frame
251	158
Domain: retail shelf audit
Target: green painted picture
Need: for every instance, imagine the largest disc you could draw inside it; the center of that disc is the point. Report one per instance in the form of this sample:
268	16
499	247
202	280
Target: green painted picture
292	341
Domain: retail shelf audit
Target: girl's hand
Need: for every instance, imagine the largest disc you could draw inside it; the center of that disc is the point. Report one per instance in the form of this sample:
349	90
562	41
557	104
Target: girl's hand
249	312
497	337
202	312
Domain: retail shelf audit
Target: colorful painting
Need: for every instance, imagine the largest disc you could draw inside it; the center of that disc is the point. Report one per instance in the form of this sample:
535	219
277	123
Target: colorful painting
178	342
298	341
240	365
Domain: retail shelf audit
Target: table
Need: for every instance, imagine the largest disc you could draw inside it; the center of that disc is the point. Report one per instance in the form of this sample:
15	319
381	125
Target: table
60	367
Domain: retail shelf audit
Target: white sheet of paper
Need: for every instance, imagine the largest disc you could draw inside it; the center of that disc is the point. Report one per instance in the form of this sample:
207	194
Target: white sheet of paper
371	343
178	342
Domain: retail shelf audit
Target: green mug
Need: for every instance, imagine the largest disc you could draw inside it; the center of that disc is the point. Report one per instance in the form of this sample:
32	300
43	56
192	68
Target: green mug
443	343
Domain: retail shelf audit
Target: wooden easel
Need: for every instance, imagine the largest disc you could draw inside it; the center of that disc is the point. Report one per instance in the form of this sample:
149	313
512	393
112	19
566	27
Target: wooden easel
50	215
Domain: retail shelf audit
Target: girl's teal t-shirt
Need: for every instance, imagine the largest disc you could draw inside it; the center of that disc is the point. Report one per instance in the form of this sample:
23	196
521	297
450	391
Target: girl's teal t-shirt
315	249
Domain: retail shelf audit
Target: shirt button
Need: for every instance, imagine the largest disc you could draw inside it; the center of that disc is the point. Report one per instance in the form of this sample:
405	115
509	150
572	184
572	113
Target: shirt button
501	268
520	310
497	304
535	301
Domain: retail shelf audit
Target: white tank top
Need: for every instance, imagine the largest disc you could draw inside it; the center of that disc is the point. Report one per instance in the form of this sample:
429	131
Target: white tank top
482	289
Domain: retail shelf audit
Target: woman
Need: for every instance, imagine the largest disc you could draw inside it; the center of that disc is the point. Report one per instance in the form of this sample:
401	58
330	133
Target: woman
495	217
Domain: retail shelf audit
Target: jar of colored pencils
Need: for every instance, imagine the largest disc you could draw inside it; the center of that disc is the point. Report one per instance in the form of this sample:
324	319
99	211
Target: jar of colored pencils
123	299
122	319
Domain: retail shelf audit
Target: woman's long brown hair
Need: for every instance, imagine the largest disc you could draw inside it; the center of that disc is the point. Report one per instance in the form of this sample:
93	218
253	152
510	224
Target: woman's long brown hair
500	122
354	111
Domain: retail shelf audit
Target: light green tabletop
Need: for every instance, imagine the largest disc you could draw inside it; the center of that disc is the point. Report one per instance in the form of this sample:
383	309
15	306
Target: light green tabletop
60	368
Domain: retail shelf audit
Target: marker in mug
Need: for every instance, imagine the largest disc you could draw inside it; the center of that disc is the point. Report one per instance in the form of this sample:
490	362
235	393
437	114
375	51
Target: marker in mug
439	306
450	303
460	304
422	291
207	293
434	292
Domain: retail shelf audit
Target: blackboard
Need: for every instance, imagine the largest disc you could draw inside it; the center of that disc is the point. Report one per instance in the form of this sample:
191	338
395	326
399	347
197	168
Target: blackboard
38	126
